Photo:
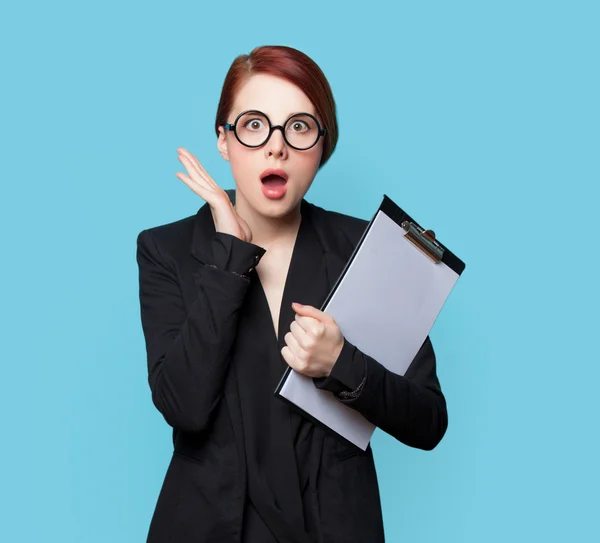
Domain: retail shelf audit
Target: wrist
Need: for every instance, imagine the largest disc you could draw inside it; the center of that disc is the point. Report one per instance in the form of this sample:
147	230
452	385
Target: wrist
336	355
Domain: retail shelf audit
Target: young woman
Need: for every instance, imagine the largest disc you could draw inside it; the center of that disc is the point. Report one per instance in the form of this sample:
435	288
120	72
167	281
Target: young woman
220	296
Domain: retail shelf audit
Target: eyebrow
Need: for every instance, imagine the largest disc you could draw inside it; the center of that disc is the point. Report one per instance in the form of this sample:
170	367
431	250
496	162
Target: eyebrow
288	115
297	112
315	115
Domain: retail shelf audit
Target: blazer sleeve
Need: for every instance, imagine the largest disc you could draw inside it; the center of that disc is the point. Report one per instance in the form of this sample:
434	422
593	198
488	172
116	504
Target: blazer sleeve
188	350
411	408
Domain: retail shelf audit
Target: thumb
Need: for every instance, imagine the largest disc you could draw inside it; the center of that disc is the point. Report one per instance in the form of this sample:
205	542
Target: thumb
310	311
245	228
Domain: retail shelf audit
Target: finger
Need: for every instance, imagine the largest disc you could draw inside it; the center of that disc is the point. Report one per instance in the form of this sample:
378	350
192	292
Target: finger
289	357
198	177
183	155
197	188
310	311
294	362
294	346
305	341
311	326
193	160
216	196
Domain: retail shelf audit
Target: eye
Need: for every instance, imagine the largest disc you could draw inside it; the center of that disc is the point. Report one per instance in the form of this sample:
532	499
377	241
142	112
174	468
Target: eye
299	126
254	124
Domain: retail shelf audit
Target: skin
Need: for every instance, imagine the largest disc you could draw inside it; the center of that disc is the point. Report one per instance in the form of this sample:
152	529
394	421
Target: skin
314	340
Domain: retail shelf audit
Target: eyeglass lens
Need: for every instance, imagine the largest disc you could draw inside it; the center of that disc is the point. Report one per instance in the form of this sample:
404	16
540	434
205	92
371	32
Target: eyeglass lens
301	130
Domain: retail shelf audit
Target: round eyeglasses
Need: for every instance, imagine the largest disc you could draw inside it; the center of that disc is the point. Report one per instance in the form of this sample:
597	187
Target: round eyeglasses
253	129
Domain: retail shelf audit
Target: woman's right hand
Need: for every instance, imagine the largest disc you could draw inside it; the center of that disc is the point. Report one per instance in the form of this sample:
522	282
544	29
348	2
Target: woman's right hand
224	215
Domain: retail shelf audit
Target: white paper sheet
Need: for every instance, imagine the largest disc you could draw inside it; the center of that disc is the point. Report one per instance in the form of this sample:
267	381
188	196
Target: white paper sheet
386	304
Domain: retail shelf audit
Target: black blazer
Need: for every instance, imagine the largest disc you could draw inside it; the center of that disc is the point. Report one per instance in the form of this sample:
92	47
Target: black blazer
188	313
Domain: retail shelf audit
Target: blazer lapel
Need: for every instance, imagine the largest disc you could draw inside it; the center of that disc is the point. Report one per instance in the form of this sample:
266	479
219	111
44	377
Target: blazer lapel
314	269
336	249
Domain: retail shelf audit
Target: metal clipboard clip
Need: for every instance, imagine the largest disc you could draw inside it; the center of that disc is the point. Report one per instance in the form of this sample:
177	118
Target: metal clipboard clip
423	240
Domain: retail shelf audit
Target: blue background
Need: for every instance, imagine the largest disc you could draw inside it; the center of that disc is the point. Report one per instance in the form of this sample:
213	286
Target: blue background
481	119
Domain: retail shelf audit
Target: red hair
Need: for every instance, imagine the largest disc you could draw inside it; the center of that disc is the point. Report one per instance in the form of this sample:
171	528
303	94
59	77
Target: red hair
293	66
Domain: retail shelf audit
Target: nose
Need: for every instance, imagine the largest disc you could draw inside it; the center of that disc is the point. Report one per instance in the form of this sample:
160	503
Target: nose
275	145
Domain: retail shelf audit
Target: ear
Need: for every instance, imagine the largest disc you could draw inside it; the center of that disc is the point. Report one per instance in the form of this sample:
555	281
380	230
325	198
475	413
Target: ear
222	144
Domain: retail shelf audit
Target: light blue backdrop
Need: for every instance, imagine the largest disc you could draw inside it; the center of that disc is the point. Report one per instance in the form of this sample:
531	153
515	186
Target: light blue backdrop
481	119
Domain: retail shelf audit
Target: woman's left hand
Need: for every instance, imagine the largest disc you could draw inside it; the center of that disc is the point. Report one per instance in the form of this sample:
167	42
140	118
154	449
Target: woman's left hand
313	343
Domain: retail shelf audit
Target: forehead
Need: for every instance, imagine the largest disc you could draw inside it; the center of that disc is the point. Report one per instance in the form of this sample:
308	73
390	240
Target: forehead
272	95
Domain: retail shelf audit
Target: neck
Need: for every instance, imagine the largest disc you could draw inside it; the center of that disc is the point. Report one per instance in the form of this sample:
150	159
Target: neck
268	230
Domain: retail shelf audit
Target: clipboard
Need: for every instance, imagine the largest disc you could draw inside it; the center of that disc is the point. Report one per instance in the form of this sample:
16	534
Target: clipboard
399	275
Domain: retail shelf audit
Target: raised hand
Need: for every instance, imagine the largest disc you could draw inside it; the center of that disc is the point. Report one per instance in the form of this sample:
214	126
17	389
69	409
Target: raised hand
224	215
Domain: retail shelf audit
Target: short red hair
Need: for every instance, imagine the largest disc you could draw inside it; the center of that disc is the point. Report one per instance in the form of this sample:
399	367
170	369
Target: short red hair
293	66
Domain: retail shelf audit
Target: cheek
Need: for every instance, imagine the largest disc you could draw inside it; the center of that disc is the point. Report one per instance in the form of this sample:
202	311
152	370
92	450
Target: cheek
243	164
309	160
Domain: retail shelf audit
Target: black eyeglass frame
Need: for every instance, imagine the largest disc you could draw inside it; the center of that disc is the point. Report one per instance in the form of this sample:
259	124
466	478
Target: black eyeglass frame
272	128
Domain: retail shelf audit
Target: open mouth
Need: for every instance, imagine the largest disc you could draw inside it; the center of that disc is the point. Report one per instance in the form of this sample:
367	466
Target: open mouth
273	180
274	183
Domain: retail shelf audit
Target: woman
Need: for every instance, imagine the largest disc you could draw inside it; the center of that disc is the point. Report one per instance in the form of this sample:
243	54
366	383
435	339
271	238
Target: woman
216	295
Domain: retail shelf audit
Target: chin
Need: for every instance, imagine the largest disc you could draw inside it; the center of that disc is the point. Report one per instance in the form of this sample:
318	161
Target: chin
272	208
276	208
